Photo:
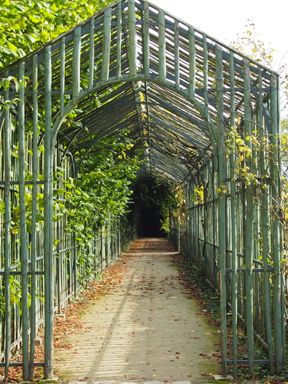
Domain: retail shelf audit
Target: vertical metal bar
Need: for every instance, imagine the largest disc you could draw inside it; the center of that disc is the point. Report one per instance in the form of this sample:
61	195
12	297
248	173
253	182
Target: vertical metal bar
204	224
108	231
162	46
146	40
102	245
119	39
106	45
7	226
112	236
91	54
192	60
249	225
76	62
283	296
48	235
233	220
176	54
23	243
275	241
214	223
193	224
205	74
132	39
264	231
62	76
34	212
221	204
58	275
75	265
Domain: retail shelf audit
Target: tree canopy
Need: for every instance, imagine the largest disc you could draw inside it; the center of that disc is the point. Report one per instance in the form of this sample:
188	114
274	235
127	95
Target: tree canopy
26	25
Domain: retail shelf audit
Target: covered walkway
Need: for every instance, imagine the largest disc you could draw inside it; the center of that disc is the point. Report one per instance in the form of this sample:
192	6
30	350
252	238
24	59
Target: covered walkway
206	120
147	327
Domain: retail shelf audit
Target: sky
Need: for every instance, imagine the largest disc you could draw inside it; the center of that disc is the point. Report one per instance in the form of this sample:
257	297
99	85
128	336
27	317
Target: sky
223	19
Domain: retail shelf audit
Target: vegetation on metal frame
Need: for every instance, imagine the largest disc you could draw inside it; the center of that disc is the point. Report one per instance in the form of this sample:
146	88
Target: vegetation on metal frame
249	43
45	21
103	187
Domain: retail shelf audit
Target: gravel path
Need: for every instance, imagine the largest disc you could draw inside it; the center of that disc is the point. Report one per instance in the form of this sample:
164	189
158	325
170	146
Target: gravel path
145	328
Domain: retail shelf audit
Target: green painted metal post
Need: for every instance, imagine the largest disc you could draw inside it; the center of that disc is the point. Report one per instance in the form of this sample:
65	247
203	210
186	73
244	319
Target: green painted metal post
48	210
91	53
176	54
193	222
192	59
283	295
233	222
76	62
7	227
249	225
119	39
132	39
275	241
221	204
146	40
34	212
74	265
119	236
189	220
264	231
23	243
106	45
103	255
162	46
62	76
205	74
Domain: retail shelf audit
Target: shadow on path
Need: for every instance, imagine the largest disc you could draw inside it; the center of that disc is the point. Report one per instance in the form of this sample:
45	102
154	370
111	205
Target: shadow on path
145	328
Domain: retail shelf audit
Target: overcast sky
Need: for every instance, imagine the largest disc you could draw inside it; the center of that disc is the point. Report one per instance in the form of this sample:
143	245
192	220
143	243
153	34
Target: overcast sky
223	19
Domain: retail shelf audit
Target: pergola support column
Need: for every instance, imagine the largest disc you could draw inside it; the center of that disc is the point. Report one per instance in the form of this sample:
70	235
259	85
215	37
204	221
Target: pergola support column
221	204
265	233
275	241
23	246
7	229
249	224
48	230
234	292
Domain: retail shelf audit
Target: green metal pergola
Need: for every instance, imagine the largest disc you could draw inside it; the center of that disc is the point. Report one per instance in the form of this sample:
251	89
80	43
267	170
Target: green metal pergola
178	91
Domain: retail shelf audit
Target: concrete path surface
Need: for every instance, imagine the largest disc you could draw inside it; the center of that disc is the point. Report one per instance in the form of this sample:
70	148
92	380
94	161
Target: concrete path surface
145	328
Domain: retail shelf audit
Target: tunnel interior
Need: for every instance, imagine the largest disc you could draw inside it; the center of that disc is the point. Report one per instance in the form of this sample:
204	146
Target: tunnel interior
148	212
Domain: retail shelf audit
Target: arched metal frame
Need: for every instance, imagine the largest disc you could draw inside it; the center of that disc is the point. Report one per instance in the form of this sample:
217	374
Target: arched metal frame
180	86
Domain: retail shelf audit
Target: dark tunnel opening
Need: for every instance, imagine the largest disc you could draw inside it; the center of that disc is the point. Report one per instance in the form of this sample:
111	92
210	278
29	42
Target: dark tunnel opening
147	212
150	223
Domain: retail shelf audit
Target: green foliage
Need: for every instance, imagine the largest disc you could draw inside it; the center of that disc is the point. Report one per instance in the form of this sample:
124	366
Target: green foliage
15	294
198	196
250	44
100	190
26	25
238	145
247	151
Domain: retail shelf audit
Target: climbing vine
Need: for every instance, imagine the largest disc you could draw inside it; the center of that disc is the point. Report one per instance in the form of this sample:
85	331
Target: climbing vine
102	188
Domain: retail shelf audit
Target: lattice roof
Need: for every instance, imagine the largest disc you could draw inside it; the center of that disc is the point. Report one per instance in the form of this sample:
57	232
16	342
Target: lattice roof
134	66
